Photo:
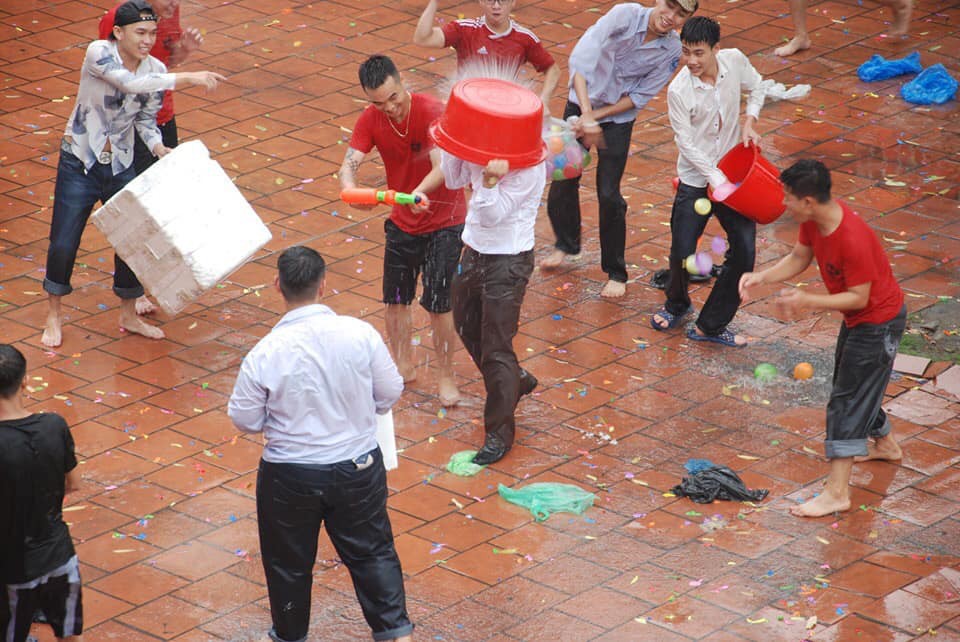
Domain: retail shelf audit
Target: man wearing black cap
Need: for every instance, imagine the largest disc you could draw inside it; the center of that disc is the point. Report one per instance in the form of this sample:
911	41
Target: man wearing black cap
121	88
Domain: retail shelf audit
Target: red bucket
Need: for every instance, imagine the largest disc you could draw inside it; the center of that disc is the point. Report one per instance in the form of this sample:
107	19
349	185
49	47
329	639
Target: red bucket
759	195
487	118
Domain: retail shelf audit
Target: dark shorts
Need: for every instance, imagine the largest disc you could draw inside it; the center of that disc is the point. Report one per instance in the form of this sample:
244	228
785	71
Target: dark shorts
405	256
56	595
864	361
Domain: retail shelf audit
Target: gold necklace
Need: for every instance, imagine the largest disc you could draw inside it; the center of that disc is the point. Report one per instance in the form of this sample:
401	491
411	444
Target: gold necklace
406	123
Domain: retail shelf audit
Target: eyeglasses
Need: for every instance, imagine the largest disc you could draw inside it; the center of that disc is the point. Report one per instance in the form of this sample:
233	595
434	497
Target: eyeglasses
496	2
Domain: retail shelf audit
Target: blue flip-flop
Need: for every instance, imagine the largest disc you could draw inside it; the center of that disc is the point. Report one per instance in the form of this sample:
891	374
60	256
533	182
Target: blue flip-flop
725	337
673	320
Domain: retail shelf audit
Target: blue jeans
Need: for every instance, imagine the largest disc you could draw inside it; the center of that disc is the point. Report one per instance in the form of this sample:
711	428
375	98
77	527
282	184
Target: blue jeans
76	192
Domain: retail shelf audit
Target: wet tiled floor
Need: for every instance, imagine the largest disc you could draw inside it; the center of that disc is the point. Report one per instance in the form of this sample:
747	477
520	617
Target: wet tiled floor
165	522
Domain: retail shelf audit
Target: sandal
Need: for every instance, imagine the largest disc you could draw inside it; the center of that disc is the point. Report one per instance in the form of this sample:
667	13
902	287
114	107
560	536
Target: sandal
673	320
726	337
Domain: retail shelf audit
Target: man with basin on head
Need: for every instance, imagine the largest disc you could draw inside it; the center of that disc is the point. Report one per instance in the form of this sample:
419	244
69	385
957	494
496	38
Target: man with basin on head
492	43
704	106
618	65
121	89
422	238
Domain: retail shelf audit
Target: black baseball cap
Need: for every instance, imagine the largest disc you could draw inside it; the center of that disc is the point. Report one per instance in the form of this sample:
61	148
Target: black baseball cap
133	11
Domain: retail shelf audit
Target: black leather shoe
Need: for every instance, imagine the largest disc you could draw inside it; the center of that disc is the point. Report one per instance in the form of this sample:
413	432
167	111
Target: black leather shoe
527	382
493	450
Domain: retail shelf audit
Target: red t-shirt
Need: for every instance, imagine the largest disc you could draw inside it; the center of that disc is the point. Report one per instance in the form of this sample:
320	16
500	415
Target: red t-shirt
472	37
168	33
406	160
852	255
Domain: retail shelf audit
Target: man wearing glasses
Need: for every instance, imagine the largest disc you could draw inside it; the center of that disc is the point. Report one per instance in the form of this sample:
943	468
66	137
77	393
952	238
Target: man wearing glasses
491	45
618	65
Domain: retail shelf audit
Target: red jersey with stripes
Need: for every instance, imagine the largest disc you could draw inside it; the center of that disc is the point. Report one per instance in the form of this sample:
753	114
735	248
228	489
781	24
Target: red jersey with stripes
472	38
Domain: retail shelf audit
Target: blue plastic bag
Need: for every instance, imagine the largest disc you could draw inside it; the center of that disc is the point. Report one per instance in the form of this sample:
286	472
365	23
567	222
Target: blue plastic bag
934	86
879	68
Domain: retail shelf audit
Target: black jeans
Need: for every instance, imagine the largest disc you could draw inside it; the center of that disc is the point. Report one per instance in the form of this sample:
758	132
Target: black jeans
861	371
563	201
293	500
143	158
487	293
686	227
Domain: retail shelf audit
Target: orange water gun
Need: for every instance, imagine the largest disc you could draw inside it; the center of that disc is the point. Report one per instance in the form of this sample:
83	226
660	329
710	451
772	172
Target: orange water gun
370	196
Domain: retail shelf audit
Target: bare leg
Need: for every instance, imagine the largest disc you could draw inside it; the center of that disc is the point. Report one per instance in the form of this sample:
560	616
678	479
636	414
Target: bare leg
130	322
444	344
145	306
901	16
553	260
613	290
53	333
835	496
399	320
885	448
801	39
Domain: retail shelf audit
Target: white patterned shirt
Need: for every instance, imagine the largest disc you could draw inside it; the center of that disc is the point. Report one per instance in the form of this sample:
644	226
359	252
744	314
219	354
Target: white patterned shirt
111	101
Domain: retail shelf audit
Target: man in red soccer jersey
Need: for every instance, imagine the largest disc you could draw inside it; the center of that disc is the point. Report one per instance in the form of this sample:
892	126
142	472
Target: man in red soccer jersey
861	285
172	47
423	238
494	37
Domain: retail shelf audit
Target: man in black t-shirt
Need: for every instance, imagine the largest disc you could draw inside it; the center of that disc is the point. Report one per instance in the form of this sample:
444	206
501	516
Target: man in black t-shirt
38	565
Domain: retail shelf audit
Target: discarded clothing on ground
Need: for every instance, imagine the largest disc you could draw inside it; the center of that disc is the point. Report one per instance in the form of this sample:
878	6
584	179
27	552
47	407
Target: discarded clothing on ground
709	481
879	68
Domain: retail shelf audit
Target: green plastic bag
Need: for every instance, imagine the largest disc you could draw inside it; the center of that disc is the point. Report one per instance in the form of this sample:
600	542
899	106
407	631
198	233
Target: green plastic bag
544	498
461	464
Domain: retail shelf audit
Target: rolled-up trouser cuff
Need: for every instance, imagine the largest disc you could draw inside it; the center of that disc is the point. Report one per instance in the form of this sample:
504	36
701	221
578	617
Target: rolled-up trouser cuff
276	638
128	293
56	289
883	430
392	634
839	448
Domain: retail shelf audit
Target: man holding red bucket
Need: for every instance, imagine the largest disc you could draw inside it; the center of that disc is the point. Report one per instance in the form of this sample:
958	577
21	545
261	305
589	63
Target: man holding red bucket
490	134
704	107
618	65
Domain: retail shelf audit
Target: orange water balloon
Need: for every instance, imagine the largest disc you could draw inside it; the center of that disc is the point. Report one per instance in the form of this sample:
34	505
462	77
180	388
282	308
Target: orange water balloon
802	371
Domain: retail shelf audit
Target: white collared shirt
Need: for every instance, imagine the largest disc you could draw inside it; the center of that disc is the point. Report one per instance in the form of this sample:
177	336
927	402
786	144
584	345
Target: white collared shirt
706	118
500	219
111	101
313	386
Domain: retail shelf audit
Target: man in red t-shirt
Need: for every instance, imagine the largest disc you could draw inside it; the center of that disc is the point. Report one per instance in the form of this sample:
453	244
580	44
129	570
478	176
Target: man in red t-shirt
172	47
861	285
421	238
492	44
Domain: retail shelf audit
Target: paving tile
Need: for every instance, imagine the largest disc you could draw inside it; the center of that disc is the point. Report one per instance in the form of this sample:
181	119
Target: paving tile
166	617
557	627
139	583
194	560
854	627
869	579
519	597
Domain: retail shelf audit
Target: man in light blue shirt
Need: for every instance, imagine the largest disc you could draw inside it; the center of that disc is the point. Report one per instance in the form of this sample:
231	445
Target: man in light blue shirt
313	386
618	65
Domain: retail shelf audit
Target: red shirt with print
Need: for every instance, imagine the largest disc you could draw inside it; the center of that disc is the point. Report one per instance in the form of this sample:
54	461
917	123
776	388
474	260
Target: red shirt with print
472	38
405	150
168	34
852	255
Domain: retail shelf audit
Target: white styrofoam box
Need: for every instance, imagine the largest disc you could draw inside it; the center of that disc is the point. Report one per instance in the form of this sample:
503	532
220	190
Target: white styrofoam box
182	226
387	440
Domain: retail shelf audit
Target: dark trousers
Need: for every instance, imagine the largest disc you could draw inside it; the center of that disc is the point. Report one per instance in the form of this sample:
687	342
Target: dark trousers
75	193
686	227
143	158
293	500
563	201
861	371
487	293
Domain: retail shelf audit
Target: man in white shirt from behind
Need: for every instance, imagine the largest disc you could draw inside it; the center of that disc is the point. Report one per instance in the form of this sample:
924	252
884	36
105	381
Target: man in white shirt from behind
703	102
488	289
314	386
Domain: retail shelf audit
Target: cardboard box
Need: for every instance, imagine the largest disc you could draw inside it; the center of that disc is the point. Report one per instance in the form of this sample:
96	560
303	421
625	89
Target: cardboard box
182	226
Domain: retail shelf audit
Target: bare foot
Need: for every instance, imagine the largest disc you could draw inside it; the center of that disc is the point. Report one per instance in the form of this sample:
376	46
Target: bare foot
553	260
145	306
901	17
138	326
449	394
797	43
885	449
613	290
52	334
822	504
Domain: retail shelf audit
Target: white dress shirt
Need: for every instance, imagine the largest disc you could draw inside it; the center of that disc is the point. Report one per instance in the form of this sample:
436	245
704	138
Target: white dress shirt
500	219
313	386
706	118
111	101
